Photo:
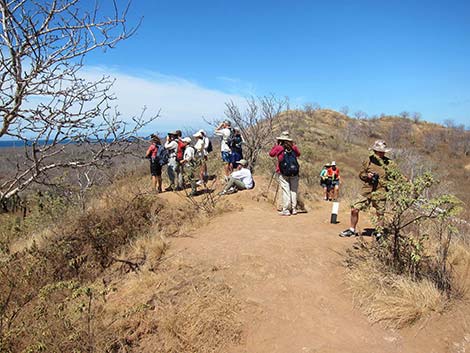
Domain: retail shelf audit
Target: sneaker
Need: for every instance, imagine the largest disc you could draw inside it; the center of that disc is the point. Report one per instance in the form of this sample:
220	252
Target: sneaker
232	190
222	193
199	182
294	211
169	188
284	213
377	235
347	233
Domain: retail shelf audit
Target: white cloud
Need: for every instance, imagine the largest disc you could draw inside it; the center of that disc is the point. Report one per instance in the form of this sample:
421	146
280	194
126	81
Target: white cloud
182	103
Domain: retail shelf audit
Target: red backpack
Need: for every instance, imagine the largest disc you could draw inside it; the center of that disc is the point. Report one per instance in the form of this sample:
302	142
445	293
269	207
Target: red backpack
180	150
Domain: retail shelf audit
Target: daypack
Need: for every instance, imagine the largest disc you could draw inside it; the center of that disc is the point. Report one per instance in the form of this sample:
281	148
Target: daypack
231	140
162	155
209	147
180	150
289	166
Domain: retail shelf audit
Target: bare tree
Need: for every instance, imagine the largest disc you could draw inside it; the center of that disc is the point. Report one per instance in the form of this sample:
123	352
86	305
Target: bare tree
44	102
344	110
360	115
256	124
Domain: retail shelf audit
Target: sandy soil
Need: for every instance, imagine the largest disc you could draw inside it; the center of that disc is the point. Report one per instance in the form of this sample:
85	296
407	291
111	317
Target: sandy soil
288	273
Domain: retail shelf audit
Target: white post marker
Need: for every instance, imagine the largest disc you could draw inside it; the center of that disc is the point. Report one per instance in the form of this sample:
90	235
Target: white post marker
334	213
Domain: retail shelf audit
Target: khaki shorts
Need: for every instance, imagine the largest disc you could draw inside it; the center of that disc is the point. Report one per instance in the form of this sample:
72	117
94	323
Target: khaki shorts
364	204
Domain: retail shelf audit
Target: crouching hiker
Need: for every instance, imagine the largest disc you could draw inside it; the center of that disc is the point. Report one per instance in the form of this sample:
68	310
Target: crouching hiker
288	172
240	179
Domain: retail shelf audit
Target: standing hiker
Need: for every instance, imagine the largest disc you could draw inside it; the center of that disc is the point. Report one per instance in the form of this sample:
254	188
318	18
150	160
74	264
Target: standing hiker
202	151
224	131
374	175
288	172
190	165
333	172
235	144
173	169
155	166
325	182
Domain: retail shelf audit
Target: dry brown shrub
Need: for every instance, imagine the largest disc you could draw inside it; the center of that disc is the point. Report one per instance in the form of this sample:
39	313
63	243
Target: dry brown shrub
393	300
179	308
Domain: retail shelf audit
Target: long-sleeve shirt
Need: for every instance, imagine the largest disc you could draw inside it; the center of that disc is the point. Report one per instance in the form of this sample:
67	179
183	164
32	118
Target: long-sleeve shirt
188	154
278	151
172	147
244	175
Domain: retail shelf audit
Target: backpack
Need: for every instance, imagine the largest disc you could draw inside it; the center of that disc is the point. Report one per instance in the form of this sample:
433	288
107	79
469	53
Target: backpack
180	151
162	155
289	166
209	147
231	140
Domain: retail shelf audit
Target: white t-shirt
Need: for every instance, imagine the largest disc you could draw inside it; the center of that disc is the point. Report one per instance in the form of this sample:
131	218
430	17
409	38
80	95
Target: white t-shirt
244	175
201	147
224	134
188	154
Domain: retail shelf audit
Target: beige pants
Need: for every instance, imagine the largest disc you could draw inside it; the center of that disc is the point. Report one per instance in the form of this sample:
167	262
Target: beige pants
289	187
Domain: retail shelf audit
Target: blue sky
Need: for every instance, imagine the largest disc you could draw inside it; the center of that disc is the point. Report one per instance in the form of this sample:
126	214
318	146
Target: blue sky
374	56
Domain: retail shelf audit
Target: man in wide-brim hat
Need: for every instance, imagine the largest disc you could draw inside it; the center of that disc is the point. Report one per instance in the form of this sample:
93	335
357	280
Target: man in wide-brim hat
287	169
374	176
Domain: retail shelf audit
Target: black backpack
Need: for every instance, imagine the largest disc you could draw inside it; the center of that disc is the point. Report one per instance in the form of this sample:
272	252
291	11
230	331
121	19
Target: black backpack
209	147
289	165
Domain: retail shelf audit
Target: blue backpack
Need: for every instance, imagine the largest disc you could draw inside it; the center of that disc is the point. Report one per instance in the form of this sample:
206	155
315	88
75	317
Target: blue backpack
162	155
289	166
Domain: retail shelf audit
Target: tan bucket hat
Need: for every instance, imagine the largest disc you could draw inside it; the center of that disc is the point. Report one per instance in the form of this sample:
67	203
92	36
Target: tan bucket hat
380	146
284	136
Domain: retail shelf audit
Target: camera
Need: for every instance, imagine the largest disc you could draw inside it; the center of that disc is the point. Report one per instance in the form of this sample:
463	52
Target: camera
374	181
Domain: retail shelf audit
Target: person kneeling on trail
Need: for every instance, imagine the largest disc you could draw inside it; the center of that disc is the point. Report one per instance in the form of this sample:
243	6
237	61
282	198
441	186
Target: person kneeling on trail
240	179
374	174
287	168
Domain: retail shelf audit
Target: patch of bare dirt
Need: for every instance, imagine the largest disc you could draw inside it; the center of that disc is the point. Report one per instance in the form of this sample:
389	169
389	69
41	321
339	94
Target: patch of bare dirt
288	274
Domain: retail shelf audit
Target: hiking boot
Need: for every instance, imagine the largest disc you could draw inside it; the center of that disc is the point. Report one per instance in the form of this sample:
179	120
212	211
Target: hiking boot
347	233
294	211
284	213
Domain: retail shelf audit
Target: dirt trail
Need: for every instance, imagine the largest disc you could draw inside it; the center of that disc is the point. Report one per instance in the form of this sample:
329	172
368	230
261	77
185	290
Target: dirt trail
288	273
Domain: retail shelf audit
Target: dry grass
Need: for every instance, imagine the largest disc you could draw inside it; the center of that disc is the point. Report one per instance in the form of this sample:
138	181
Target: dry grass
392	300
180	308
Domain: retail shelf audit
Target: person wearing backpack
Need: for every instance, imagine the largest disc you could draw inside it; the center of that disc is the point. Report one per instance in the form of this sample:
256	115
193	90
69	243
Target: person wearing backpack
235	143
287	169
325	182
155	166
171	145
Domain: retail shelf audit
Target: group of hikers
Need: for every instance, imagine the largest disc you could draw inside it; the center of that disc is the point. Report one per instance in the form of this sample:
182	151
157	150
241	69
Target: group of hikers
186	162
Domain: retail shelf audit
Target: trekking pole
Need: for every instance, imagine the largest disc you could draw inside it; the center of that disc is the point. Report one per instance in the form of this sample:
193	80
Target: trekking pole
270	181
275	195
